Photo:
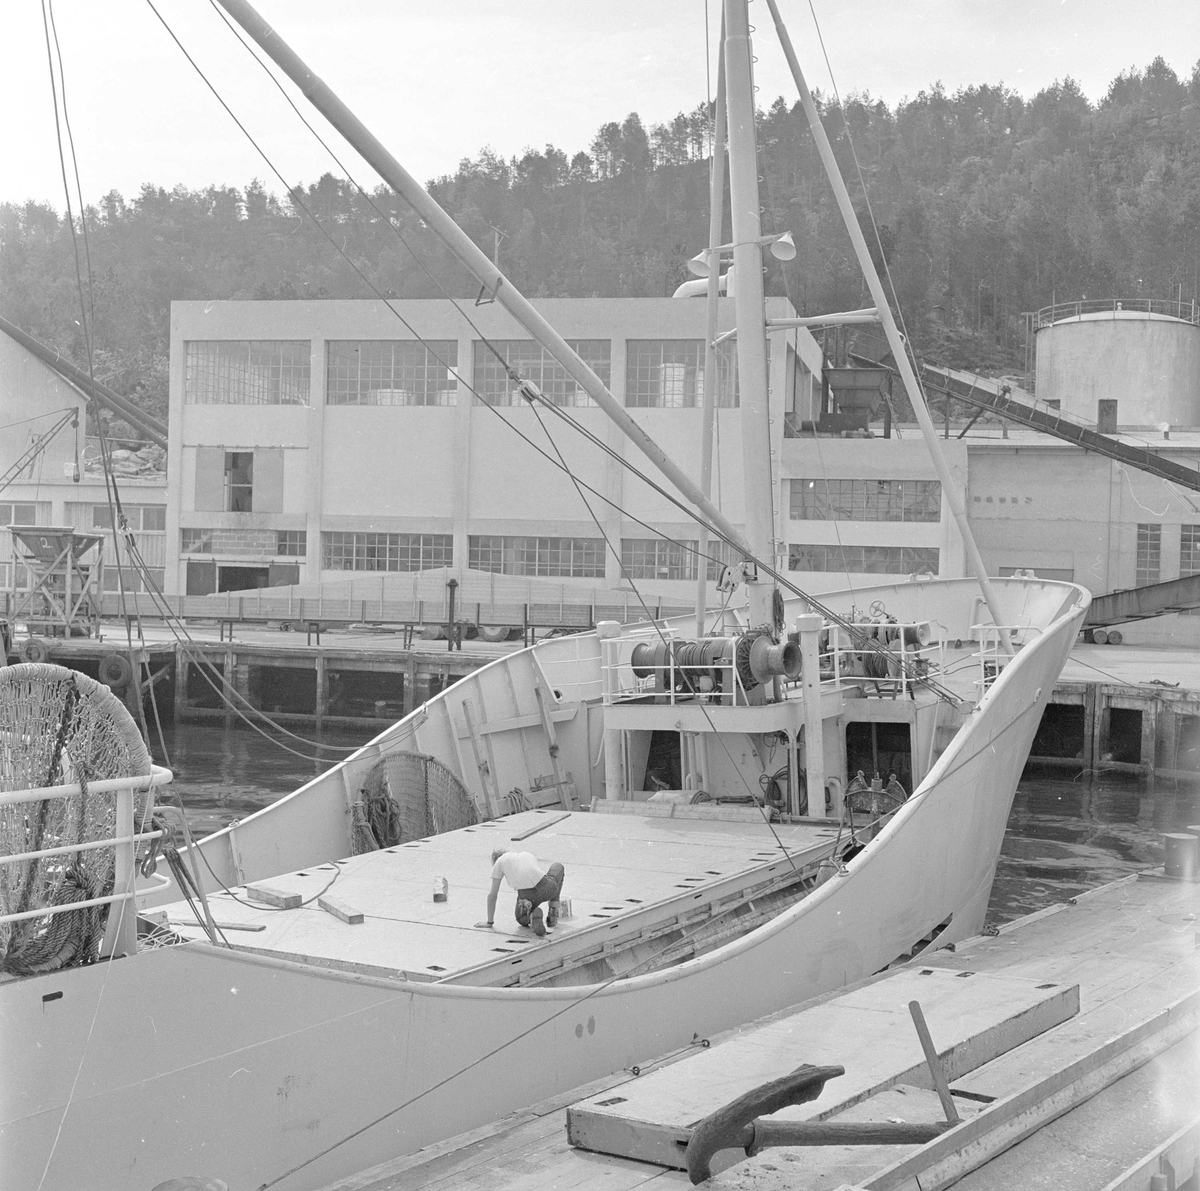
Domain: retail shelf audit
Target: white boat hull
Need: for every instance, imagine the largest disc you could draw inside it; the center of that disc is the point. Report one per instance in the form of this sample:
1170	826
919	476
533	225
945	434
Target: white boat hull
195	1060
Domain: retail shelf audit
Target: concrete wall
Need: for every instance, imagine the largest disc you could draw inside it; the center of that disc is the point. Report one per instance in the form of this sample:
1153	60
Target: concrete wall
1148	363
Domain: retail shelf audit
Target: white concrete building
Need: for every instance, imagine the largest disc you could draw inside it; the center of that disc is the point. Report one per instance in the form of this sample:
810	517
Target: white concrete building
319	442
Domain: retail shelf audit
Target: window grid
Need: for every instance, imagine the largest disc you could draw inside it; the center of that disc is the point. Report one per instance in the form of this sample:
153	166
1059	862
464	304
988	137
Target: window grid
239	481
141	518
865	500
195	541
17	514
870	560
574	558
1149	553
291	543
391	372
720	555
669	374
247	372
386	551
533	363
656	558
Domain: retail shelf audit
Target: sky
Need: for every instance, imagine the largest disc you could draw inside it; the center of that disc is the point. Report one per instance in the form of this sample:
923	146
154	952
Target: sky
437	81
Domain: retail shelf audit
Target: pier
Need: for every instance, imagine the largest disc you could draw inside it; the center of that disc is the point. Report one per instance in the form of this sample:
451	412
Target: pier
1125	708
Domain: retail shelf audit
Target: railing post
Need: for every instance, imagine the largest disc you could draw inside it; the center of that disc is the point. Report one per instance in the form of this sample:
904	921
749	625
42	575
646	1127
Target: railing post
120	935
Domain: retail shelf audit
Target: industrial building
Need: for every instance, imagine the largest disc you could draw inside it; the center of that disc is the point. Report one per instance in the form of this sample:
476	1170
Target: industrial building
50	469
328	442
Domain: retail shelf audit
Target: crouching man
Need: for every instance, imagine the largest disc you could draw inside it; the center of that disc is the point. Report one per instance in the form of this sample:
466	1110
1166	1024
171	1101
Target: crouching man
535	887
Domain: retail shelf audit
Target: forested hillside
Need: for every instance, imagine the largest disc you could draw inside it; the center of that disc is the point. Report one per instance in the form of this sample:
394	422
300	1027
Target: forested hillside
987	204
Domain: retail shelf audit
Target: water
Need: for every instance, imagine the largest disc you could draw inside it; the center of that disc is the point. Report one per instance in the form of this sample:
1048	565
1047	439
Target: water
1066	833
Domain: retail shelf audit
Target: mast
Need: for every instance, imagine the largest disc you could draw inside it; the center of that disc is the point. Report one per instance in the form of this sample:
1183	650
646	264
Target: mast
895	342
472	257
749	308
716	209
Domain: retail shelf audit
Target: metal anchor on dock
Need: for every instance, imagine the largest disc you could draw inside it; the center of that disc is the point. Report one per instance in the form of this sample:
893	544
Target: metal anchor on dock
739	1123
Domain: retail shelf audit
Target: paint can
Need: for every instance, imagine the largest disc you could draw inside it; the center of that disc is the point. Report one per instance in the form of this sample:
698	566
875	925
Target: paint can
565	909
1181	856
441	889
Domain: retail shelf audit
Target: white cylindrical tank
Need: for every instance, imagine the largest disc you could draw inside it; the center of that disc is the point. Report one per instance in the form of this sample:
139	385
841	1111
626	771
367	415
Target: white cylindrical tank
1149	363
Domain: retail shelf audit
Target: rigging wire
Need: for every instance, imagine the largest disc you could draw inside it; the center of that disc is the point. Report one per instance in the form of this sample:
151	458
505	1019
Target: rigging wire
516	379
766	814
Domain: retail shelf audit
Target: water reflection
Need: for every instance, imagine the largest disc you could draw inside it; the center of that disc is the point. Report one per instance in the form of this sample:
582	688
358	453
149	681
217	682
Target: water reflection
1065	834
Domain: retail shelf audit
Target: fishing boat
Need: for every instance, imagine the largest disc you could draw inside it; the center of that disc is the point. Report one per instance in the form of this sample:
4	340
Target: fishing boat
311	992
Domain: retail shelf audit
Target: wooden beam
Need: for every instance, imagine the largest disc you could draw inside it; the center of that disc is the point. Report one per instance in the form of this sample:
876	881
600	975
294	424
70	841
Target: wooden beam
268	895
1004	1123
339	909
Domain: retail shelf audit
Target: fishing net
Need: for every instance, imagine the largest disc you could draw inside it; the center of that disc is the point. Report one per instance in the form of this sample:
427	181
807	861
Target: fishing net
409	796
59	727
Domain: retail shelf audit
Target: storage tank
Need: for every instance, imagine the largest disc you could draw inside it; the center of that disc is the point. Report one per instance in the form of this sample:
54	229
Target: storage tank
1143	355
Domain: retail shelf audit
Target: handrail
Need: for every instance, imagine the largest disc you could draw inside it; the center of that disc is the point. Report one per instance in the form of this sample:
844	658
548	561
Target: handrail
90	846
158	776
66	907
1047	316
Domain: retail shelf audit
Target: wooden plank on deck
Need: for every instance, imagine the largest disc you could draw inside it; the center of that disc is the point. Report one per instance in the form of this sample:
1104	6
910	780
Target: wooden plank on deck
867	1030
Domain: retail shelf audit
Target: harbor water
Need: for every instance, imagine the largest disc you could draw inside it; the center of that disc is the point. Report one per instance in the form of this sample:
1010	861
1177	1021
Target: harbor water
1067	833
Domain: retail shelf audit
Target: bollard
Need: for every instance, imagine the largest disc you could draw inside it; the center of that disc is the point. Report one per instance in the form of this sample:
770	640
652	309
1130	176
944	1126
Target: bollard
1181	855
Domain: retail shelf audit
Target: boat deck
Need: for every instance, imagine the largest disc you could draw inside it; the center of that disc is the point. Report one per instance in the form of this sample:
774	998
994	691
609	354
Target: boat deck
629	877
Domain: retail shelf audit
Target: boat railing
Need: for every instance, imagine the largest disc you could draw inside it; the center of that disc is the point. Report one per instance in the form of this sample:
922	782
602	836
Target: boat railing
992	654
896	656
121	935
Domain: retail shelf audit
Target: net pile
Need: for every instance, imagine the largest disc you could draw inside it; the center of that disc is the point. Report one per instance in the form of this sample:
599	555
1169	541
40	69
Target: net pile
410	796
59	727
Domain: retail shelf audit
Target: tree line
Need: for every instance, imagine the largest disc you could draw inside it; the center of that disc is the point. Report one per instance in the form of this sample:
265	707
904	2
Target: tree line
981	204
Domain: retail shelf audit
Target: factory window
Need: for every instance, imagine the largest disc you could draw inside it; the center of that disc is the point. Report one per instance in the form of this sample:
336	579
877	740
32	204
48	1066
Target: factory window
533	363
1189	550
195	541
386	551
391	372
291	543
669	373
239	481
656	558
866	500
18	514
246	372
141	518
575	558
720	555
1149	553
872	560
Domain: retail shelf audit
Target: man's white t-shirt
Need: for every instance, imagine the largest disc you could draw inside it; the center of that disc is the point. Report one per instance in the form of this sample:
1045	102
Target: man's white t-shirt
520	869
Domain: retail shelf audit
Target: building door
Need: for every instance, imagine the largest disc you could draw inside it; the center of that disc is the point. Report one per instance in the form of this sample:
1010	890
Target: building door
242	578
201	577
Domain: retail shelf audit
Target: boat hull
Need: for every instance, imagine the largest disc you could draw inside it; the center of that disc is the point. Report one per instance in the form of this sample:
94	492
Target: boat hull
195	1060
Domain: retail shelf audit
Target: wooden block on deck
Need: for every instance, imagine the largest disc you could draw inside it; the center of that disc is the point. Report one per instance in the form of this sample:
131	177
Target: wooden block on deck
339	909
973	1018
268	895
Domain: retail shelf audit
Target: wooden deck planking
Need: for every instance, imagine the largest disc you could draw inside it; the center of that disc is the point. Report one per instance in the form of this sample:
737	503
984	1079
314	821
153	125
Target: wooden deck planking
614	871
867	1030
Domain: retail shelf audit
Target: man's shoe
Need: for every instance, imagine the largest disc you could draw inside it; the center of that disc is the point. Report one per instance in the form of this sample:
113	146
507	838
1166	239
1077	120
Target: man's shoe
536	924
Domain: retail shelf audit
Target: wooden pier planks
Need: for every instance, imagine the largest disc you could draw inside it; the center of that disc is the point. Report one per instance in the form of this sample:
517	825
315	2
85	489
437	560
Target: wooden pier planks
972	1018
